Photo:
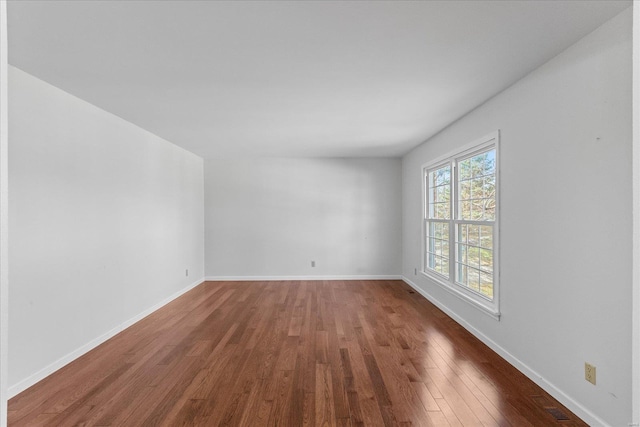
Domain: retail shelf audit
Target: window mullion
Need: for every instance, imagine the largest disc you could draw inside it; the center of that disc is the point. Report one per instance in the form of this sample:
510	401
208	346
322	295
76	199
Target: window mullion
454	215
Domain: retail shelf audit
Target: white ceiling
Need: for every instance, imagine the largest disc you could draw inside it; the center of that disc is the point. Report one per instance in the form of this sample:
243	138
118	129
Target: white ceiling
285	78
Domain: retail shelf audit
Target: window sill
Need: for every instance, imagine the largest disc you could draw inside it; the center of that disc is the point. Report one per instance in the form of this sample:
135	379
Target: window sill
490	311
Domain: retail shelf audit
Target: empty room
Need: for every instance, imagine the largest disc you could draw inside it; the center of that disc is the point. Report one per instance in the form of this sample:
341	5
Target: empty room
320	213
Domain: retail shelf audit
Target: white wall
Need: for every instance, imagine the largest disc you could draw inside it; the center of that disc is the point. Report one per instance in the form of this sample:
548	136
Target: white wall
566	222
4	259
636	214
105	218
271	217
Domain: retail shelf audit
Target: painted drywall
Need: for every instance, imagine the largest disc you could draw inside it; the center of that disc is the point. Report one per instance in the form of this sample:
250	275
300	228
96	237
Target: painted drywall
636	215
270	217
105	218
4	259
566	226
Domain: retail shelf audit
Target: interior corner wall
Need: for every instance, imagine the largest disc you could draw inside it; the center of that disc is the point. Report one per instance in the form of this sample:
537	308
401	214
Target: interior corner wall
105	218
566	223
269	218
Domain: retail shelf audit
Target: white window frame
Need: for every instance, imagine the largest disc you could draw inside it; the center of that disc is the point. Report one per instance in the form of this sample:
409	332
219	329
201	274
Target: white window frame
489	306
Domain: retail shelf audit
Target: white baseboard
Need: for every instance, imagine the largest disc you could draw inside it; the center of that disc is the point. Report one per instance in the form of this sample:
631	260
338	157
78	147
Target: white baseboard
65	360
578	409
283	278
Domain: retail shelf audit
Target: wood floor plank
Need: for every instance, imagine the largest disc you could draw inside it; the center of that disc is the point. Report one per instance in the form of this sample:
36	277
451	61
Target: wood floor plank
425	397
290	353
325	410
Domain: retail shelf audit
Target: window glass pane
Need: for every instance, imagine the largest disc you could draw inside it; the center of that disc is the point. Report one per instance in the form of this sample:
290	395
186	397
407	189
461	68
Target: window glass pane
477	187
465	209
474	261
464	168
473	256
490	212
474	279
474	235
437	247
489	187
433	179
486	284
444	265
462	275
445	230
462	253
477	208
430	260
440	176
462	233
441	211
439	191
446	175
445	236
477	164
486	236
465	190
490	162
486	260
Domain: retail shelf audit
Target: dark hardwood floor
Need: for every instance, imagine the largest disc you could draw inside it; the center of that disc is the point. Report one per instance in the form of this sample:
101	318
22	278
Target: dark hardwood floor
316	353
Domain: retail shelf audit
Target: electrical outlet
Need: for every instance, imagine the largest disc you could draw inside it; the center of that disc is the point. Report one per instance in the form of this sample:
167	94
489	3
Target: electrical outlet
186	272
415	271
590	373
313	263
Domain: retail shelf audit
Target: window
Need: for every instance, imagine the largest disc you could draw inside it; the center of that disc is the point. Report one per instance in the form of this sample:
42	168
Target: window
461	222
